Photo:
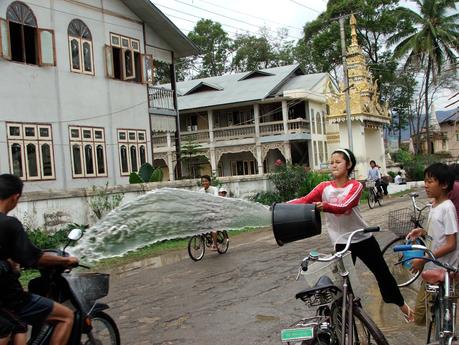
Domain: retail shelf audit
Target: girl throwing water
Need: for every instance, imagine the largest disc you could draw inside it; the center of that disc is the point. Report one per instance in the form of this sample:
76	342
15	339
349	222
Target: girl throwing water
339	199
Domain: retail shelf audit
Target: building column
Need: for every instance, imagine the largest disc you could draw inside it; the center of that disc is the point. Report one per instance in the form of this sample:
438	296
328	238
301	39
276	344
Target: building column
170	164
168	138
256	119
210	119
285	116
287	152
312	161
259	160
213	161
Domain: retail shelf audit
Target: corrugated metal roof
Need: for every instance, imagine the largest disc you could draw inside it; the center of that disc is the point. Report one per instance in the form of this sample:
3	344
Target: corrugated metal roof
235	90
163	26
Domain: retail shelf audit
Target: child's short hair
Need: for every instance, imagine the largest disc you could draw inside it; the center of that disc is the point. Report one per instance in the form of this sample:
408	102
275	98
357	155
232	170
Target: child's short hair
206	177
442	173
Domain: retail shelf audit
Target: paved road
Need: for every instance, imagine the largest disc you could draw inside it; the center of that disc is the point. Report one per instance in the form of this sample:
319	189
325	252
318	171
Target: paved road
243	297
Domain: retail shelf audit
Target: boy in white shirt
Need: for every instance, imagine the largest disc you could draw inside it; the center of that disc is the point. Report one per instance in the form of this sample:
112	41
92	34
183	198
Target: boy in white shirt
442	227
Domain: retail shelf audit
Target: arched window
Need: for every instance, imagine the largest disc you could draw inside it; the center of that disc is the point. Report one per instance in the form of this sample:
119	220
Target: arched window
100	155
77	166
46	158
23	33
124	159
88	159
142	154
16	160
32	161
133	150
80	47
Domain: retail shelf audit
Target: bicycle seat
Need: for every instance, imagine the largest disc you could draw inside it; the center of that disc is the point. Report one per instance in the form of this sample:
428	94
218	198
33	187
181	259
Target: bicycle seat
433	276
414	195
324	283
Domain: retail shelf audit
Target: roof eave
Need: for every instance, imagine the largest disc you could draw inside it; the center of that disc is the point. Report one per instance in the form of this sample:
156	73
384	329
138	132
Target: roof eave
153	17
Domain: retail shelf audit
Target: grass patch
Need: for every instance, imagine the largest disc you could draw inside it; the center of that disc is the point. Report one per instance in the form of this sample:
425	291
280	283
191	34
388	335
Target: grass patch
157	249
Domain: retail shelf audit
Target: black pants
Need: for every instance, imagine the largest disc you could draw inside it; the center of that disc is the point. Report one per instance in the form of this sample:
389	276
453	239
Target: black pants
369	252
382	186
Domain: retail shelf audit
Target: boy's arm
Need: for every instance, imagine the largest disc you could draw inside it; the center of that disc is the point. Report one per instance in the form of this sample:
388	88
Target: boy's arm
448	247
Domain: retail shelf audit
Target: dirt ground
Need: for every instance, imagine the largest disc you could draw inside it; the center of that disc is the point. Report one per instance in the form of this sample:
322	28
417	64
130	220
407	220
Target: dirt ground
245	296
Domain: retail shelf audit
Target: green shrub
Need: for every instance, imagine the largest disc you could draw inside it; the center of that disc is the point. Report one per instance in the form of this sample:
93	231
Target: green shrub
292	181
146	174
392	174
266	198
46	240
103	202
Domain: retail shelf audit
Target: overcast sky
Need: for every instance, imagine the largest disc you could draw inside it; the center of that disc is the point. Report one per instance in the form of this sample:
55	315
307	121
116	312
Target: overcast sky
241	16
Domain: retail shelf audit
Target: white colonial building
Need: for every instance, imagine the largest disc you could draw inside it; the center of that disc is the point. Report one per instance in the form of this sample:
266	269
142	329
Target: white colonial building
244	122
75	108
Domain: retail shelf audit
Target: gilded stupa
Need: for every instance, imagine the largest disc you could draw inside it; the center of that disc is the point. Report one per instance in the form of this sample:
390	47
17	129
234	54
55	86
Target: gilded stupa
368	115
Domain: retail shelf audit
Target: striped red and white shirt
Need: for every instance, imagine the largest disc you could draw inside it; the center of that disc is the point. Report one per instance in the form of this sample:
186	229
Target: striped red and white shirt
341	207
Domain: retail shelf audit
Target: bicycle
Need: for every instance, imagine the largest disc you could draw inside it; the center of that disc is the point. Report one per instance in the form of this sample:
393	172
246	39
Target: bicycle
374	196
443	310
401	222
198	243
338	310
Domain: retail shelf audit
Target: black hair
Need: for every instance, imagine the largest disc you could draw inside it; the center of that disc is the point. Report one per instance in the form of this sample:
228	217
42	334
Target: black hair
399	173
349	159
455	171
372	161
401	167
10	185
442	173
206	177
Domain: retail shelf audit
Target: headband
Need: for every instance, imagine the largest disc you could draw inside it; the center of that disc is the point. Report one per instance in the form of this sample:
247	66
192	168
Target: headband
345	152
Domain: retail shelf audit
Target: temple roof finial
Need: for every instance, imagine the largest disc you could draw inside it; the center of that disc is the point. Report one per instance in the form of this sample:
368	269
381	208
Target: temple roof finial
353	23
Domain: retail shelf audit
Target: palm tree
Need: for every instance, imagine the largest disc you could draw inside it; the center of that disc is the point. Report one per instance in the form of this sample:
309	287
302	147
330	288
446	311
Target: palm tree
432	39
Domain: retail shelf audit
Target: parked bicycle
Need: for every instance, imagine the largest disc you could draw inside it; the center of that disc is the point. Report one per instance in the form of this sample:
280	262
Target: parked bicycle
198	243
442	325
401	222
374	196
339	318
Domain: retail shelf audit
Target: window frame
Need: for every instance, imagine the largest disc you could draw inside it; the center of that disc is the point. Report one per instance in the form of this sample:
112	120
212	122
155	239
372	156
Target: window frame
82	69
83	142
128	143
22	140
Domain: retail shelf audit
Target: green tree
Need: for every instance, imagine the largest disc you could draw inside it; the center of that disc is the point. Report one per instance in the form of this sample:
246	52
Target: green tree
432	41
189	150
215	46
321	48
251	53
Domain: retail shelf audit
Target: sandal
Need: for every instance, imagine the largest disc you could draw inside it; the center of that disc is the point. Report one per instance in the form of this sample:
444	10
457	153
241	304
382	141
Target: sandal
409	316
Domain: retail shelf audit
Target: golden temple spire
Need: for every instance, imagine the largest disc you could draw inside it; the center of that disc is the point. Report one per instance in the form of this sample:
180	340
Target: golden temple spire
353	23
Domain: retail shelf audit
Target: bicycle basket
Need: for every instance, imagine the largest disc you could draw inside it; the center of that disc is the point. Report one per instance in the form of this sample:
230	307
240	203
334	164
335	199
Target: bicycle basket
330	269
370	184
87	288
400	222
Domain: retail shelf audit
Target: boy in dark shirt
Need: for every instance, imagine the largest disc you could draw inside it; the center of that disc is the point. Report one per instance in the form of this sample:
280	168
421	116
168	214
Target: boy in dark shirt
16	246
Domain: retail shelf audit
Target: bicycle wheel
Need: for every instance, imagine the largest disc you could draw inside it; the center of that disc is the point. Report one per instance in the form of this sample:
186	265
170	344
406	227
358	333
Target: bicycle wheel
380	200
196	247
104	331
402	274
222	241
365	331
371	198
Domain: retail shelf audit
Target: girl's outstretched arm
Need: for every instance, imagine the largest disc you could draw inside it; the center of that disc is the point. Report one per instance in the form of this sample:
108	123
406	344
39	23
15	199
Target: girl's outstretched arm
348	203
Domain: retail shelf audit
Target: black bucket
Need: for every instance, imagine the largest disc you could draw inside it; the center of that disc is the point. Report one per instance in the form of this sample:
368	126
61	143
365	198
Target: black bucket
294	222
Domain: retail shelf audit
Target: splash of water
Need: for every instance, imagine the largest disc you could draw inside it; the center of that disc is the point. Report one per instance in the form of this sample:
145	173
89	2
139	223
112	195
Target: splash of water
165	214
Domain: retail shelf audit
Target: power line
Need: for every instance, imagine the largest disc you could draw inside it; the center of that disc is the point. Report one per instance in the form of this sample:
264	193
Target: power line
302	5
251	15
228	17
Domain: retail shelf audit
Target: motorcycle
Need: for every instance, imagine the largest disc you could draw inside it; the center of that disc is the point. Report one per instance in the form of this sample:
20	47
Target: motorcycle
79	291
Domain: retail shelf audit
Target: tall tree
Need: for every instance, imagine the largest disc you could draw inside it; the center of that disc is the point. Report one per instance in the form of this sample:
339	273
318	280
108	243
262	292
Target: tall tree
432	41
215	45
322	36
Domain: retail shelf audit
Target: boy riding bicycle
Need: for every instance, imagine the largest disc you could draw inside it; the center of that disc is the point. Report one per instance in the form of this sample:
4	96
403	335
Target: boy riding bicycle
442	228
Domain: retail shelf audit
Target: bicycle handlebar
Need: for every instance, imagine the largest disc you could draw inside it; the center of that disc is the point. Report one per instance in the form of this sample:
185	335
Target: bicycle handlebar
315	256
404	247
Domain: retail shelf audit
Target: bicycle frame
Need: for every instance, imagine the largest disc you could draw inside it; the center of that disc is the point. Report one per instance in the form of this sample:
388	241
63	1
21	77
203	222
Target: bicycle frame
347	293
443	295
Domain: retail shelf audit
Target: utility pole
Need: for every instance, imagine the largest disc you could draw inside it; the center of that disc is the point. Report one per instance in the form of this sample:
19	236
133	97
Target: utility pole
346	83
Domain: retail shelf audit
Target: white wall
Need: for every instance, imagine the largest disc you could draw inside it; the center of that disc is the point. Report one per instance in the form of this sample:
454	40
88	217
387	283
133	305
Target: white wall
55	95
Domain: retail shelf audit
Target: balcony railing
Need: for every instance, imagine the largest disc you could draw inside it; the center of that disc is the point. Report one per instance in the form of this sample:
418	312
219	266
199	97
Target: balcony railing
237	132
234	132
160	98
